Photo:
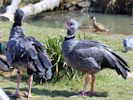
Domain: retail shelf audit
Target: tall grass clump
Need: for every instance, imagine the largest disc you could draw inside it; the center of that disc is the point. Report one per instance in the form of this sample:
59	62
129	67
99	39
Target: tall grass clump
60	68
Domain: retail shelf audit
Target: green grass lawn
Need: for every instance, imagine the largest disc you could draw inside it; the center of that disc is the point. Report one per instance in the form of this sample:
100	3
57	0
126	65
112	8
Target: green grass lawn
108	85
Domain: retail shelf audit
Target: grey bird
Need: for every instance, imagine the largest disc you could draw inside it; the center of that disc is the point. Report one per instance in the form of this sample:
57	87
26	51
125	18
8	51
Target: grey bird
128	43
90	56
23	51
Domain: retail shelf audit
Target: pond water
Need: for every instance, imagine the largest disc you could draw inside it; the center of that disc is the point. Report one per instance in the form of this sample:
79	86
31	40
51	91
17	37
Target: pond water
121	24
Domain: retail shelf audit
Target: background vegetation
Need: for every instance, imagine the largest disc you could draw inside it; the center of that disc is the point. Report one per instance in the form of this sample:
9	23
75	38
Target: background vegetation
104	6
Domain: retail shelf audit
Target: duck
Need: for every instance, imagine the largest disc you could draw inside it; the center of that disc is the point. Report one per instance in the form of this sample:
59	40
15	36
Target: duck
90	57
98	27
26	52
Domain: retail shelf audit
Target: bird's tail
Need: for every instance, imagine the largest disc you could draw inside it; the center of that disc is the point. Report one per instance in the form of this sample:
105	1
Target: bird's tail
118	63
43	65
107	30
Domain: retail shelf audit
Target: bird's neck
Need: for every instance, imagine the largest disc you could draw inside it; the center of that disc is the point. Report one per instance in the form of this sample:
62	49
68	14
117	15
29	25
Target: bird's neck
16	32
70	35
94	21
69	43
17	24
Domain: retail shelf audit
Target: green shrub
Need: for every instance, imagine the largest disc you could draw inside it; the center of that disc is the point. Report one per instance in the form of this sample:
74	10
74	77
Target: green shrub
54	49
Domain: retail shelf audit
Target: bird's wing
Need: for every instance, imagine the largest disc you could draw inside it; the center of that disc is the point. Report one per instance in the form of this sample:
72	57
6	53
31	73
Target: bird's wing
39	47
100	25
18	47
42	63
33	49
10	52
42	55
89	51
87	44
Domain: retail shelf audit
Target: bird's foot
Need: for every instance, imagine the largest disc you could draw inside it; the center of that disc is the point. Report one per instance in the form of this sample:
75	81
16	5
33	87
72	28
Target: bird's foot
82	94
16	95
129	74
28	95
91	93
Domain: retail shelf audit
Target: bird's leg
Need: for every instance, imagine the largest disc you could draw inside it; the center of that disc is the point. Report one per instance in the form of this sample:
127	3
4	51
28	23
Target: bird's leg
129	74
92	84
85	85
17	93
30	79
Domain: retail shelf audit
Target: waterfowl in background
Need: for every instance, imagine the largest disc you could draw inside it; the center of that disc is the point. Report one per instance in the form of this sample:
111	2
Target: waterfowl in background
128	43
90	56
26	52
98	26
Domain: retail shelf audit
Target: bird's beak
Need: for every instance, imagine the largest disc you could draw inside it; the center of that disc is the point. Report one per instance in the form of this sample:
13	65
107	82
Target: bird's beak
90	17
66	26
78	25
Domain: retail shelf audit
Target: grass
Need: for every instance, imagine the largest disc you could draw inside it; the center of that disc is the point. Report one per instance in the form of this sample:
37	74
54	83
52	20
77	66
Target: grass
108	85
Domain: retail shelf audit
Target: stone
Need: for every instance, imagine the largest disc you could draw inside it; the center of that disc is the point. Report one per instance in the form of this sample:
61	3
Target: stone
83	4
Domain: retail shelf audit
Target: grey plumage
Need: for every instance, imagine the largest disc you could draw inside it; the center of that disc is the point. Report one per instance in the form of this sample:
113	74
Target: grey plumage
16	32
90	56
23	51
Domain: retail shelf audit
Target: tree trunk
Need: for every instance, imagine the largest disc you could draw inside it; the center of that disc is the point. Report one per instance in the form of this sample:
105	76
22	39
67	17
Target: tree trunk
9	14
31	9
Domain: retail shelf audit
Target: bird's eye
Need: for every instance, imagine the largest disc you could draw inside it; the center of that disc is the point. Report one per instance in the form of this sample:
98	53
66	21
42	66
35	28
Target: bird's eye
5	49
70	24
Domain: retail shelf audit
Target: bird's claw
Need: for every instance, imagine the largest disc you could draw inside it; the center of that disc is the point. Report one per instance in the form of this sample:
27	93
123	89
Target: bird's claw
28	95
16	95
82	94
91	93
